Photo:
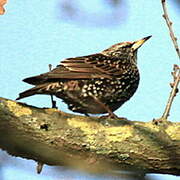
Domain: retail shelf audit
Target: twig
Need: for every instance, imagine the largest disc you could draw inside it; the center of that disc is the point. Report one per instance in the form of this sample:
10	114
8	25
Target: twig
176	70
40	164
39	167
174	91
52	100
169	24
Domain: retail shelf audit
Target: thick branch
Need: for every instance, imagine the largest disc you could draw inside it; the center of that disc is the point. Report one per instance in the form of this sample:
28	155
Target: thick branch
56	138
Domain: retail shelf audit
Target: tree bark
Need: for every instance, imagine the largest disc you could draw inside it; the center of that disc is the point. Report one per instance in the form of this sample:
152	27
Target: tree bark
53	137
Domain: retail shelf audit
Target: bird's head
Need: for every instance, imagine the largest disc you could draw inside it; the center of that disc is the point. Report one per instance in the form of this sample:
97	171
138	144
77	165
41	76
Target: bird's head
125	50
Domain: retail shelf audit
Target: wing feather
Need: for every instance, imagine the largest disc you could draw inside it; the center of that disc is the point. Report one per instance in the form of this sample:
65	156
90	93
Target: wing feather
85	67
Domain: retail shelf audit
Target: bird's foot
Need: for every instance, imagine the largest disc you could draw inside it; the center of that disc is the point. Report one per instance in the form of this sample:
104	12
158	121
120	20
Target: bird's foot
54	104
110	116
108	120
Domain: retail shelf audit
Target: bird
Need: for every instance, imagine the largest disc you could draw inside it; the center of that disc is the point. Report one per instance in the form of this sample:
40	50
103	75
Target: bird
99	83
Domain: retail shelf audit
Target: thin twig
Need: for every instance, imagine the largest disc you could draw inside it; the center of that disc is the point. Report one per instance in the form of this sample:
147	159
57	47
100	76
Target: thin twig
169	24
39	167
174	91
176	70
52	100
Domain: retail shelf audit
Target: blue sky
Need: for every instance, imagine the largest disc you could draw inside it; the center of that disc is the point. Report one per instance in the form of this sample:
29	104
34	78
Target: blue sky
34	34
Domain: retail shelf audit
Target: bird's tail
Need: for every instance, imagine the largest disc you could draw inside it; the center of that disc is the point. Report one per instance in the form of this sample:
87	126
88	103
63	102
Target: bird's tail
39	89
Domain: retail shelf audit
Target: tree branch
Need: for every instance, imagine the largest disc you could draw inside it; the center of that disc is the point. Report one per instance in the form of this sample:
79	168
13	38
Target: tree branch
53	137
176	70
174	91
169	25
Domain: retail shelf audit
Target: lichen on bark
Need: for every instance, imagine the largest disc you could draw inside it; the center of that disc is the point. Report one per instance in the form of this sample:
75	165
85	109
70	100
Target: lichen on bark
53	137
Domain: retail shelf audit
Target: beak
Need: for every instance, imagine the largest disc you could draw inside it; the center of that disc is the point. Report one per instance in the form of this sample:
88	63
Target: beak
139	43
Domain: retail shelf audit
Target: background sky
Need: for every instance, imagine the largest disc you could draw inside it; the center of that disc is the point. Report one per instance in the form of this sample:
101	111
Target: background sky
34	34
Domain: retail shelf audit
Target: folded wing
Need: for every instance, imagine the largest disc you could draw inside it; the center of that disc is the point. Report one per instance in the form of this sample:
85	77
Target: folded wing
85	67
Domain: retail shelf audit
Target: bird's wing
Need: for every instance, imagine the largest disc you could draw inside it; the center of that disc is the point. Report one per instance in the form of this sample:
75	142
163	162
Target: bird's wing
85	67
93	64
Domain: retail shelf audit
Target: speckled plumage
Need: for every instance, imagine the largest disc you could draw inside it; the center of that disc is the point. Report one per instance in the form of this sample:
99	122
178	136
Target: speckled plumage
96	84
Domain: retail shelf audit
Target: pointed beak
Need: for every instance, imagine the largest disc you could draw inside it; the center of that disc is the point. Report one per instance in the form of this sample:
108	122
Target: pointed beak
139	43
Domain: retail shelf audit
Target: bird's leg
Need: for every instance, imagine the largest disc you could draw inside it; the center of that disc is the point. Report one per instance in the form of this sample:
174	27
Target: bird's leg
111	114
52	100
86	114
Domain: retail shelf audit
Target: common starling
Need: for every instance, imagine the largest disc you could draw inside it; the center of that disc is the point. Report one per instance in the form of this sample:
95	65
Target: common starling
94	84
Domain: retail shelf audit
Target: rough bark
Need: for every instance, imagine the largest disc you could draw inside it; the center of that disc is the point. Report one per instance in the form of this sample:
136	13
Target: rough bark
53	137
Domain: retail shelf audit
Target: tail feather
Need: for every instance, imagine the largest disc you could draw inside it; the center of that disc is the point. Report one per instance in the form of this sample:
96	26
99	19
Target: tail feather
30	92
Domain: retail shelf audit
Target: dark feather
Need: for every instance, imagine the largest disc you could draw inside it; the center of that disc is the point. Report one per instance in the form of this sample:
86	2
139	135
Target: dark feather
29	92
